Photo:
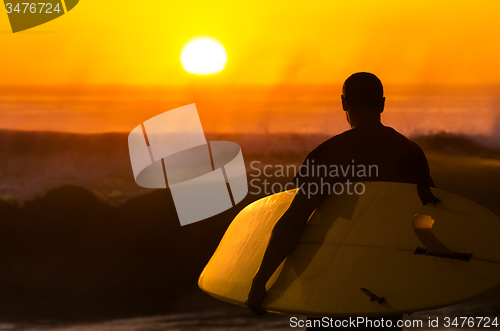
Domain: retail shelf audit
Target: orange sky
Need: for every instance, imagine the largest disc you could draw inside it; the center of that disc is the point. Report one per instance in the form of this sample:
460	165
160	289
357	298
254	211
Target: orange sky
268	42
108	65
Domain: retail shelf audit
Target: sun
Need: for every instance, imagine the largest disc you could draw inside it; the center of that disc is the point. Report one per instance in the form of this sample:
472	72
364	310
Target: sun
203	56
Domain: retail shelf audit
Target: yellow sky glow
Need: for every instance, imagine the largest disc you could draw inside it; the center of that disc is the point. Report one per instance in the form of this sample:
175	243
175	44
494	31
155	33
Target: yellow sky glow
295	42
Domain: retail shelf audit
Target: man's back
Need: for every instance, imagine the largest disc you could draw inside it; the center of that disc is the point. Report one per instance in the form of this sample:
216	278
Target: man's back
381	151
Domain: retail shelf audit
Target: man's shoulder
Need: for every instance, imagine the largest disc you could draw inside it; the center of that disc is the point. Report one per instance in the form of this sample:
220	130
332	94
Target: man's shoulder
402	137
330	145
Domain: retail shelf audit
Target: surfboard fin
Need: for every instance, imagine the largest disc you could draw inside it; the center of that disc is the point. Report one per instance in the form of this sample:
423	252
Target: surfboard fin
425	194
373	297
422	226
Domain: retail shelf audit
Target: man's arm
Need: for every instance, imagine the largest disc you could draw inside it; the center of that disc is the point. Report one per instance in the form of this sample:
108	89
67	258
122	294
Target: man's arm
423	170
285	236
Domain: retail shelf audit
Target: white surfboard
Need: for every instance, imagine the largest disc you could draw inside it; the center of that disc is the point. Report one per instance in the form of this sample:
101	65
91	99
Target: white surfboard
376	254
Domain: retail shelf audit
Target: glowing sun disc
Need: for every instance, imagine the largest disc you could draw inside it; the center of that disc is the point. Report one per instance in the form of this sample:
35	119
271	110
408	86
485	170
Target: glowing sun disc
203	56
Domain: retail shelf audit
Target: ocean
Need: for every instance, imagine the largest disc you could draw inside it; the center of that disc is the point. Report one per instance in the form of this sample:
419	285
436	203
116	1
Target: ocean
82	247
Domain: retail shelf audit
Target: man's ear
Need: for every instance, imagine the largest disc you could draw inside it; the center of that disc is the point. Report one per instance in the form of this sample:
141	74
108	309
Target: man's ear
344	103
383	105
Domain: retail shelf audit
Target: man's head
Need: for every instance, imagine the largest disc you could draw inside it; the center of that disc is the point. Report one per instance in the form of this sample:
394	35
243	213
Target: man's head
363	98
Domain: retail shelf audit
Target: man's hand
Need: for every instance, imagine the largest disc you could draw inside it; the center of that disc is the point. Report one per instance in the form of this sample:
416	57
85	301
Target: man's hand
255	298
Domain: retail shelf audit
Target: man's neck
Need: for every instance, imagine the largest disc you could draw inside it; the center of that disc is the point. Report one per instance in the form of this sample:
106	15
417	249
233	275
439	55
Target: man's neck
364	117
367	121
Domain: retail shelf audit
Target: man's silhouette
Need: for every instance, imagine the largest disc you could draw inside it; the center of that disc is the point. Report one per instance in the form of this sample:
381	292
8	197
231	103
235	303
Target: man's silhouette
368	142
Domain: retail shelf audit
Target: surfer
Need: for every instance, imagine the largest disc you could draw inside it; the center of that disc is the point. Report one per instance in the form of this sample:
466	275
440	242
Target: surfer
368	142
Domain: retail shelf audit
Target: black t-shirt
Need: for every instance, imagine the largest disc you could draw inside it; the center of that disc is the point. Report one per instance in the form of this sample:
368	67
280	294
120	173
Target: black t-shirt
365	153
